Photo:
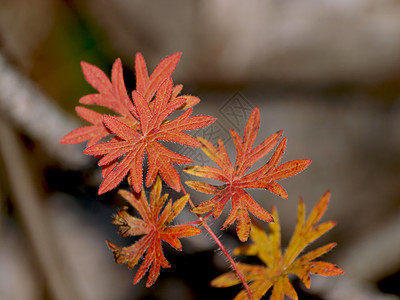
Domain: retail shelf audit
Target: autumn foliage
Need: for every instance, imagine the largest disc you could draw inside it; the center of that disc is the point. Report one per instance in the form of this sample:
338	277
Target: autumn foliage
139	125
154	226
136	131
236	180
277	265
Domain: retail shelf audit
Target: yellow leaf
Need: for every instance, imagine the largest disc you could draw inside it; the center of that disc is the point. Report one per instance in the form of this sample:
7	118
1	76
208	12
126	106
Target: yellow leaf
277	266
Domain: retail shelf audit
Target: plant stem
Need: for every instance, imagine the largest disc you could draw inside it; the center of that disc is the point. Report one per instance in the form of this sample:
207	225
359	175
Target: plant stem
221	246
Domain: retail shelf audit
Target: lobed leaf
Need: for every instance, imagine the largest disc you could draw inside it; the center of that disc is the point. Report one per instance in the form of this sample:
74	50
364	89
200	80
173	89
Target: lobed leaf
154	228
206	172
96	78
140	123
121	129
289	169
112	95
203	187
234	178
93	133
274	274
163	70
177	208
142	76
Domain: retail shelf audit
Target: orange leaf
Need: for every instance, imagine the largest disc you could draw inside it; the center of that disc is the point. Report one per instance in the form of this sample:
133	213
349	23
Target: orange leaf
235	178
142	76
154	228
277	265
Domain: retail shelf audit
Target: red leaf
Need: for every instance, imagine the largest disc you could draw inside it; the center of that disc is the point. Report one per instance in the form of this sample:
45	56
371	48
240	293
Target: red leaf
112	95
133	143
160	160
143	110
142	76
93	133
121	129
140	126
97	78
160	73
132	163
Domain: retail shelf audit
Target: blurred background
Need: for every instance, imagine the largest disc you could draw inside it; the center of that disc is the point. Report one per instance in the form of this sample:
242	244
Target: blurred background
326	72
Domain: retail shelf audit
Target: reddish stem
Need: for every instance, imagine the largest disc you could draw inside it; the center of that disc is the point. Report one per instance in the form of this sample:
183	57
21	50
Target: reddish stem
194	223
221	246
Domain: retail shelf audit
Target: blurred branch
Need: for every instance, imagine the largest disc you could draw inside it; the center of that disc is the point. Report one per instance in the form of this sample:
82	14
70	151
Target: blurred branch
25	105
34	218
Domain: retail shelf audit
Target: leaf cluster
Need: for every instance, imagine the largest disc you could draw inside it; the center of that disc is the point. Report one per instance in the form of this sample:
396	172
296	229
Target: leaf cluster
136	131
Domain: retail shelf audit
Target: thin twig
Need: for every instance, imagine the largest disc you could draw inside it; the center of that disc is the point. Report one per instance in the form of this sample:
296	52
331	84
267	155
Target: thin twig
221	246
